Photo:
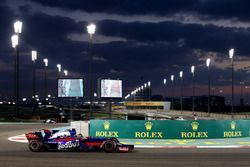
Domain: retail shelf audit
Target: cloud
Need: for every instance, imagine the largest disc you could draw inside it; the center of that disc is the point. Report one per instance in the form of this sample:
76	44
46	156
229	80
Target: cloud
223	9
113	71
97	38
100	59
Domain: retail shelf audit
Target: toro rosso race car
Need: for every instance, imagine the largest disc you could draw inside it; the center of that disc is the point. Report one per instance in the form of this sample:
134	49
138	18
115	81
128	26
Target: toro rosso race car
46	140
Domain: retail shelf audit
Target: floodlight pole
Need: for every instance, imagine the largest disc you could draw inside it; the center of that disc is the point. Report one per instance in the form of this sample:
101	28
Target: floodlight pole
231	55
34	57
208	101
14	40
192	71
91	31
45	79
17	30
181	77
172	79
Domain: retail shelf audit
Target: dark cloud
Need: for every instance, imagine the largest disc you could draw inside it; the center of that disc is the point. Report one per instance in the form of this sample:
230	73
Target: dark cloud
194	36
125	7
215	9
25	8
225	9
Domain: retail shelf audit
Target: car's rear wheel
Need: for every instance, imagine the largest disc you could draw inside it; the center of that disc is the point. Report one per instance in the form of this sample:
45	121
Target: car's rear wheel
114	139
35	146
109	146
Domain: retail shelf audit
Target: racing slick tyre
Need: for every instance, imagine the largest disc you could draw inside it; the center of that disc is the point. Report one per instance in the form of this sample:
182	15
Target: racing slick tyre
115	140
35	146
109	146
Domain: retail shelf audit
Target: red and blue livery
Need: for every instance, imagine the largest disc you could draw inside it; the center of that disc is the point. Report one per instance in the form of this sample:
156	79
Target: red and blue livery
46	140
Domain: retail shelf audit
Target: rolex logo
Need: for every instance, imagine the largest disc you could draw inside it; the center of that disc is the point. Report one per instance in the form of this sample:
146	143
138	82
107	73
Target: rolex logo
195	125
106	125
148	125
233	125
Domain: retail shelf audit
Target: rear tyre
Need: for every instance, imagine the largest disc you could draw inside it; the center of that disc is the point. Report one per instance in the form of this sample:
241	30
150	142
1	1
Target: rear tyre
109	146
35	146
115	140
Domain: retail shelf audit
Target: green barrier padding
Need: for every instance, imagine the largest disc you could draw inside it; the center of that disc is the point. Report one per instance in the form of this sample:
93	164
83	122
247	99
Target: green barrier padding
170	129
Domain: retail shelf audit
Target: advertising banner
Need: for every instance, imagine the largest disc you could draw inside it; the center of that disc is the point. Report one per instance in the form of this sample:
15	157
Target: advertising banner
170	129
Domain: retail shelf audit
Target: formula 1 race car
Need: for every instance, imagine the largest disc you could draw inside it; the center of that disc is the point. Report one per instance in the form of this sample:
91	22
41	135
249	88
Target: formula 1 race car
46	140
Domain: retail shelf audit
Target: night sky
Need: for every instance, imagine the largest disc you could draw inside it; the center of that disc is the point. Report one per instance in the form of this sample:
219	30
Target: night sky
136	41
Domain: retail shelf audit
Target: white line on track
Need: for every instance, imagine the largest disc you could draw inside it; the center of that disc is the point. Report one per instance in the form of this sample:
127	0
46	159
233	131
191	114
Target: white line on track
20	138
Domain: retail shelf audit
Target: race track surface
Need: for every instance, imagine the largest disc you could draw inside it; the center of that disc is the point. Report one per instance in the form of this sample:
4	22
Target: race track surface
17	154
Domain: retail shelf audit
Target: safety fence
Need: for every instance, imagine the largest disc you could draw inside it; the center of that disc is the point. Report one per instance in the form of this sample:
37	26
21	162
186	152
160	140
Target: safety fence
170	129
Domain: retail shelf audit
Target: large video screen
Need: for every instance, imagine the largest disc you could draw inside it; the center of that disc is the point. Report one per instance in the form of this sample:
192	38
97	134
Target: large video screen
70	88
111	88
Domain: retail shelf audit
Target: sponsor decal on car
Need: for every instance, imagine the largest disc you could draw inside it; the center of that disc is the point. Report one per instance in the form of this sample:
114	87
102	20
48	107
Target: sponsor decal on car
68	144
123	149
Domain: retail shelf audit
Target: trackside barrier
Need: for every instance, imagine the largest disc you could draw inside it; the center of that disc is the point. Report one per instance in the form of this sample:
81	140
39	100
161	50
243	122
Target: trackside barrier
170	129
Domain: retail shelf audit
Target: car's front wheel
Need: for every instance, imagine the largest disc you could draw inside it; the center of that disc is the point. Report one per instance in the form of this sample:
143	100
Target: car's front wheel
109	146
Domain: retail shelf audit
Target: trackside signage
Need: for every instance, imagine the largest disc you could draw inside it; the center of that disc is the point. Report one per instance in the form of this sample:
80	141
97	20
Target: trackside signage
170	129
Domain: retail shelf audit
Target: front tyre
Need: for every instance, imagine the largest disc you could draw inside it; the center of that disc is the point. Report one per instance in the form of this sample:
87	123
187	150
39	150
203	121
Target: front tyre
109	146
35	146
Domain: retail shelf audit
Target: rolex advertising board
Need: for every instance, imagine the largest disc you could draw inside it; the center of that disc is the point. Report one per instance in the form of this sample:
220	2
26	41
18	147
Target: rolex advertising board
170	129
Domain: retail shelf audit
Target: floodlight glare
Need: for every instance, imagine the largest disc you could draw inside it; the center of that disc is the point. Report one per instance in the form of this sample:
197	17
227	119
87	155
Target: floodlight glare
181	74
192	69
65	72
59	67
164	81
14	40
18	27
208	62
231	53
33	55
46	61
172	78
91	29
149	83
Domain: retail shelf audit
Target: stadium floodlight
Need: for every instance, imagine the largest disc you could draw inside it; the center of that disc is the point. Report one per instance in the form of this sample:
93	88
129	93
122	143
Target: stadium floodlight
91	29
149	83
18	27
181	74
59	67
192	69
65	72
46	61
172	78
33	55
231	53
208	62
14	40
165	81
